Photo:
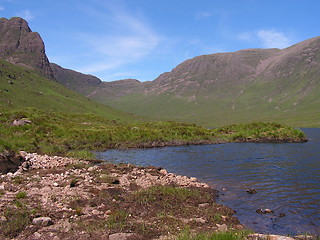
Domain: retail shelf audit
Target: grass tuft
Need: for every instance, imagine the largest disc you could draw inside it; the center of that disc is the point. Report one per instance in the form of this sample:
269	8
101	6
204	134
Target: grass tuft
16	221
21	195
230	235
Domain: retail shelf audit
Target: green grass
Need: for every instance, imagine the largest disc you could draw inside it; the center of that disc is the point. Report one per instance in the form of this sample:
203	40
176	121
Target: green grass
21	195
259	130
62	133
284	100
16	221
22	88
168	196
117	220
229	235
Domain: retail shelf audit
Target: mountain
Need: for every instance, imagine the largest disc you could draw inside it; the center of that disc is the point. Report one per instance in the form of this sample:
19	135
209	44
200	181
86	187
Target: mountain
225	88
76	81
19	45
213	90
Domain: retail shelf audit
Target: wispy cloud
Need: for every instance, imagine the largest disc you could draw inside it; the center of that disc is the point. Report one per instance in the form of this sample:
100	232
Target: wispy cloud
273	39
26	14
245	36
128	39
202	14
1	8
267	38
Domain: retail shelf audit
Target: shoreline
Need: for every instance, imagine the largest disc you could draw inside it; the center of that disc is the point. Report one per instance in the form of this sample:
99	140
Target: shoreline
156	144
59	194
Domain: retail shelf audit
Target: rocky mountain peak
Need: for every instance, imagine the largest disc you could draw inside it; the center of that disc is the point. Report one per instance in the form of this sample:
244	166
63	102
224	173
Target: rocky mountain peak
19	45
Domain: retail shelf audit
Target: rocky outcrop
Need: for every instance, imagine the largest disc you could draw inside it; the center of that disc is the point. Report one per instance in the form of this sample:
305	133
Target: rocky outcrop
10	161
19	45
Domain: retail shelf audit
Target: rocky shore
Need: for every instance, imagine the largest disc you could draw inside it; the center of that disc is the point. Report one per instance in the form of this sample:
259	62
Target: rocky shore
65	198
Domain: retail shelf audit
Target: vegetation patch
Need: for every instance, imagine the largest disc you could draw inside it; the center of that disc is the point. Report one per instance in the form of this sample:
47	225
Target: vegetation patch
229	235
63	133
21	195
16	221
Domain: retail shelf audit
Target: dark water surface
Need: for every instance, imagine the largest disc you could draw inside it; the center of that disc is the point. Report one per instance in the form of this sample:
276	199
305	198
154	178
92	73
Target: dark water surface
285	176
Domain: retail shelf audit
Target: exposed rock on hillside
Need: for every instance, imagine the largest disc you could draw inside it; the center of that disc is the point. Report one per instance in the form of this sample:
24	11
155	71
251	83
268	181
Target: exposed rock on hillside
79	82
19	45
9	161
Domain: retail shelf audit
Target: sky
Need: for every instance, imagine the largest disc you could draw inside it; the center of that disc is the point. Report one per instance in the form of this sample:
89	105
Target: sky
140	39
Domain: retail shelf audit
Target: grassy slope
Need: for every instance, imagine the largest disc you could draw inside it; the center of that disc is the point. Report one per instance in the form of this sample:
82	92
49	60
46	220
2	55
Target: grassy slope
259	102
21	88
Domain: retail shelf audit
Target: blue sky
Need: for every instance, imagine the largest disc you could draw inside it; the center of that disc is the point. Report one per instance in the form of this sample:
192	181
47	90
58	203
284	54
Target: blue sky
118	39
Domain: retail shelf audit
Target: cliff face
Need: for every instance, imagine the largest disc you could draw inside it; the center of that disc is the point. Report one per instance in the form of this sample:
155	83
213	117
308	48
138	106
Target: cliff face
19	45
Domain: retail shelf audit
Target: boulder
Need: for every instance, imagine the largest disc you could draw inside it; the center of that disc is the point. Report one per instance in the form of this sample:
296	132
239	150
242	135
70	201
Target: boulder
222	227
42	221
120	236
21	122
257	236
10	161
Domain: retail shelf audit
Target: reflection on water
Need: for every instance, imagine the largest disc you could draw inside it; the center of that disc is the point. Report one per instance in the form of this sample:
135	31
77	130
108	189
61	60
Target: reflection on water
286	177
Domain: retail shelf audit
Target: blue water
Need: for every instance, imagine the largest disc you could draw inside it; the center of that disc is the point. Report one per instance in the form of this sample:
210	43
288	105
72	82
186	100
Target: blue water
285	176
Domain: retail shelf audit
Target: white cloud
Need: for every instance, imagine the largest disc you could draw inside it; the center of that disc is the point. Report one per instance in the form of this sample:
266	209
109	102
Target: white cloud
26	14
266	38
130	40
273	39
1	8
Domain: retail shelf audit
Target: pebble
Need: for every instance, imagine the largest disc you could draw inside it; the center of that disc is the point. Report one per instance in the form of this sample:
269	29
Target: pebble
163	171
264	211
222	227
199	220
36	235
203	204
120	236
251	191
95	212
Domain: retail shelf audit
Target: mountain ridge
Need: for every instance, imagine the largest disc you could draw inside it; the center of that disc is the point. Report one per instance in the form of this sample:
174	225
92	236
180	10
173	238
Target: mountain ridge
19	45
270	82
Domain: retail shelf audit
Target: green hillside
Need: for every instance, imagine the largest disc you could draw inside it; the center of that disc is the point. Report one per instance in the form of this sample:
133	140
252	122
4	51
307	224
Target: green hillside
229	88
21	88
59	121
